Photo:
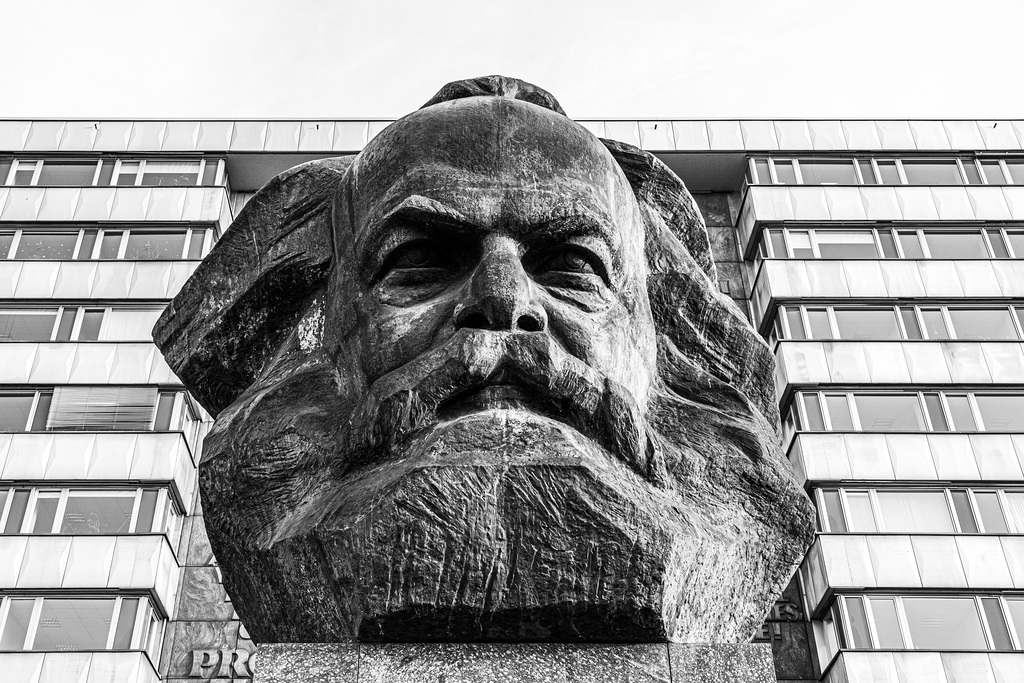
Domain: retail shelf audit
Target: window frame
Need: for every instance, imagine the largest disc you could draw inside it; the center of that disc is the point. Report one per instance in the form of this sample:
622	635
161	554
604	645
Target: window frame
140	640
164	511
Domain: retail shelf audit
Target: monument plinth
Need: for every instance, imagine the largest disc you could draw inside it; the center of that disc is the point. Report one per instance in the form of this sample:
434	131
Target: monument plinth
477	383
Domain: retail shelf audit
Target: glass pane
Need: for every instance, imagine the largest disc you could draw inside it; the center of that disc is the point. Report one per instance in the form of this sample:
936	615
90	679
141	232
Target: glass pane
910	324
1016	169
980	323
866	172
846	244
867	323
944	624
46	511
27	324
934	323
888	243
210	172
763	176
859	514
47	245
935	414
1001	413
1015	606
834	512
996	624
993	173
964	514
16	515
915	512
42	411
956	245
995	240
858	623
126	623
147	509
67	323
6	240
67	173
812	409
800	244
170	173
87	245
910	243
16	626
893	412
887	624
971	171
839	412
128	173
828	172
890	176
98	513
195	245
146	246
92	319
164	409
23	176
991	512
106	171
110	245
1015	509
14	411
1015	238
932	172
73	624
784	172
778	244
817	320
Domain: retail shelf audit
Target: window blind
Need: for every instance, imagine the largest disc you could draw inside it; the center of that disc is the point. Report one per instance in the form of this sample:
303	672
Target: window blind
102	408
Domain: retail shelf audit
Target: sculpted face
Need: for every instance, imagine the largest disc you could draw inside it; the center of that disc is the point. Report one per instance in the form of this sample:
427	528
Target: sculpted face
477	383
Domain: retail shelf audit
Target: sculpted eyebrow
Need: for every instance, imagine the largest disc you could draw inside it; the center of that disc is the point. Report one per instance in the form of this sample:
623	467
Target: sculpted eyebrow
416	212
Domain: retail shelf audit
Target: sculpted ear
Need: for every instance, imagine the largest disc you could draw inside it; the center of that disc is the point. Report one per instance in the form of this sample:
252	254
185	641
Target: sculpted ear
228	320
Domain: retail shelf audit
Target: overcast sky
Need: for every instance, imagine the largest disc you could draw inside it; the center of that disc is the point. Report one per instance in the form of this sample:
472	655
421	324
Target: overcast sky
621	58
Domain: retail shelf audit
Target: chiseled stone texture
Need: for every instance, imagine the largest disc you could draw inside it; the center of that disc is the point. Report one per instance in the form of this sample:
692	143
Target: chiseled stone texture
512	663
479	383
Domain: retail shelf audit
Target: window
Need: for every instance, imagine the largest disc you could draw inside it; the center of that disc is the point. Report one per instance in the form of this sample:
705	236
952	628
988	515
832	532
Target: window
921	511
885	622
875	171
867	323
1001	412
956	245
59	624
980	323
74	323
870	323
102	408
61	243
88	511
889	412
91	172
16	410
846	244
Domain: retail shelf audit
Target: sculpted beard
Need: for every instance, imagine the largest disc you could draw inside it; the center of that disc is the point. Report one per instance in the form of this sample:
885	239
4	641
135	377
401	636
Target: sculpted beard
479	369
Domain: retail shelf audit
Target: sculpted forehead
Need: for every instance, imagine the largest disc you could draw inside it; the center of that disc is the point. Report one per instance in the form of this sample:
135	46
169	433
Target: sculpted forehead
493	159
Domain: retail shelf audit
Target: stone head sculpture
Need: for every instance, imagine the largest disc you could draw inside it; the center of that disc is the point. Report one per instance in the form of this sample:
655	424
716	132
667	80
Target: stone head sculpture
477	382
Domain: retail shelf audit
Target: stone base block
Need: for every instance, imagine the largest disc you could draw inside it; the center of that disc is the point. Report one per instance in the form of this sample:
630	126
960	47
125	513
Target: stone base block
513	663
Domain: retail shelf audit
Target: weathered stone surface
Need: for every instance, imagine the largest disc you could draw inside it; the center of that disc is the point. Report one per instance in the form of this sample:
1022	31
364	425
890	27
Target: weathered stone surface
512	663
478	383
718	663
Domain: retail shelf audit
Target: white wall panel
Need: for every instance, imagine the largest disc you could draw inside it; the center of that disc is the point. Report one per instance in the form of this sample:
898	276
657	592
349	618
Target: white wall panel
69	667
895	135
46	558
656	136
349	136
929	135
983	561
83	363
93	279
845	204
725	135
316	136
623	131
862	135
147	135
952	203
112	136
998	135
44	136
914	457
373	128
180	136
249	136
793	135
215	136
963	135
13	135
282	136
759	135
827	135
79	136
811	205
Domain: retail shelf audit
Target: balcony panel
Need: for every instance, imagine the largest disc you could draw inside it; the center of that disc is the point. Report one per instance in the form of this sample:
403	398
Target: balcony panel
861	666
902	562
777	203
825	457
810	363
93	279
134	204
790	280
154	457
77	667
84	363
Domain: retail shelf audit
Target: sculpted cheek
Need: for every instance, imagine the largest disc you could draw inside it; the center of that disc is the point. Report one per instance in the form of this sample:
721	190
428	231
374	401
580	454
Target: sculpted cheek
398	335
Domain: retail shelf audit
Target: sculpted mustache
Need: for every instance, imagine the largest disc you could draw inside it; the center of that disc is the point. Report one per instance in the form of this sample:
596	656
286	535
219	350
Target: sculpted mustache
409	399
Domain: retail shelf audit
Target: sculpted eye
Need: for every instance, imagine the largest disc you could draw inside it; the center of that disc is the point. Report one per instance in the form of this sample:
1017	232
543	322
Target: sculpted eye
569	259
414	255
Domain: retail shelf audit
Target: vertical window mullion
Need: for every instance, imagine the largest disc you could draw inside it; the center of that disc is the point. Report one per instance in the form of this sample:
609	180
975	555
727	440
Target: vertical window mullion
78	245
113	623
854	415
30	511
924	243
142	172
876	511
76	327
58	516
977	412
201	174
902	174
15	243
952	511
975	511
870	617
56	323
1007	178
812	236
32	411
985	628
96	173
1015	637
33	624
796	171
4	512
135	511
219	178
38	172
832	323
122	248
948	322
901	616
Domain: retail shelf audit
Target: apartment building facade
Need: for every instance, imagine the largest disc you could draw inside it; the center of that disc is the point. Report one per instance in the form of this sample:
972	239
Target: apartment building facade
882	261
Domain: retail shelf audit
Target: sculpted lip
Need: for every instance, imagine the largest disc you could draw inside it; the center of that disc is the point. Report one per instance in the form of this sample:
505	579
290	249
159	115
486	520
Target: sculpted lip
493	397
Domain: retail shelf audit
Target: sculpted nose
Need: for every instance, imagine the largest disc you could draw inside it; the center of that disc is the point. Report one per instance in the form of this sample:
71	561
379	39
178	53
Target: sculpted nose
500	296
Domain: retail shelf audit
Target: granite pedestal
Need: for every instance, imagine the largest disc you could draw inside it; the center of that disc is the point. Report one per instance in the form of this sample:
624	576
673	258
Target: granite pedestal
513	663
